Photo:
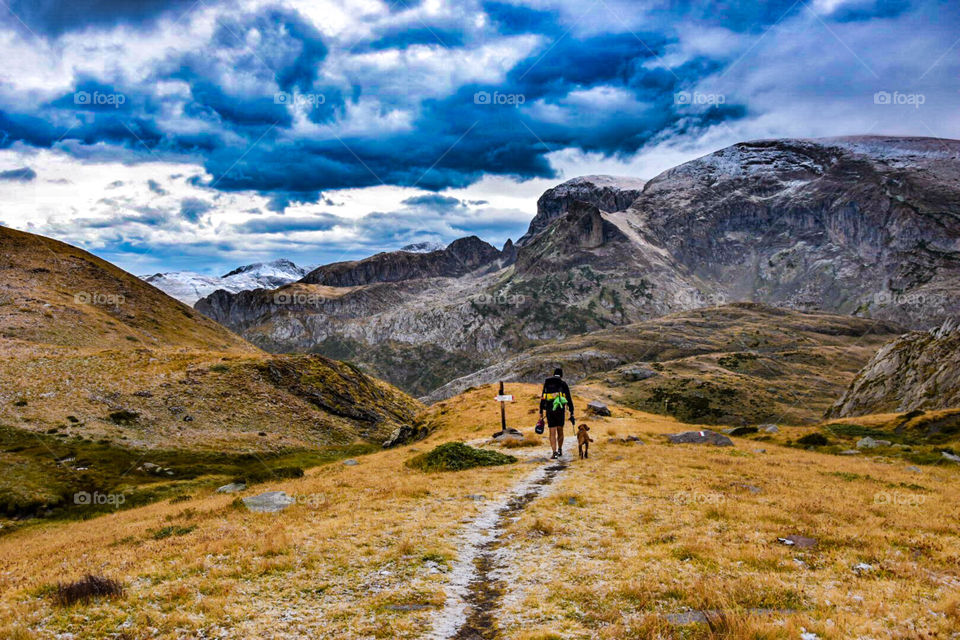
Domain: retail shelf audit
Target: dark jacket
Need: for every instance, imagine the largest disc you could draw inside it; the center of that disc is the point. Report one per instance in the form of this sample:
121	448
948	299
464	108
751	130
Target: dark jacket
553	386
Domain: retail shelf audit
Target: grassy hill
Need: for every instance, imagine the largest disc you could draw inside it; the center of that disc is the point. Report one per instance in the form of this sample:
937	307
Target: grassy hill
643	540
100	369
737	364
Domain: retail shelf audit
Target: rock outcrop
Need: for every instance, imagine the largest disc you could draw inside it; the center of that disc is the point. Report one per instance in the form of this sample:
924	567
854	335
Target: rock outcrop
918	370
607	193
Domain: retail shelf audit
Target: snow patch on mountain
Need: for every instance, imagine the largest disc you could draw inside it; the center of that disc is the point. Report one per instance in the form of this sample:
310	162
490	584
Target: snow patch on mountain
188	286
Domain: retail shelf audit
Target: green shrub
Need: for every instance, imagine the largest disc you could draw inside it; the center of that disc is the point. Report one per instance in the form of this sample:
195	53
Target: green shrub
456	456
813	440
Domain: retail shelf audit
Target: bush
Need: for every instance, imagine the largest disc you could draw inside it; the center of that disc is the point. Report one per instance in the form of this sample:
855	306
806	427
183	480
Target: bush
813	440
456	456
124	417
86	589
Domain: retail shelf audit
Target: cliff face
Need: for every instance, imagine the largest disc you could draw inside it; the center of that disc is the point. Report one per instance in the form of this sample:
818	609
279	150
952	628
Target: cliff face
918	370
861	226
607	193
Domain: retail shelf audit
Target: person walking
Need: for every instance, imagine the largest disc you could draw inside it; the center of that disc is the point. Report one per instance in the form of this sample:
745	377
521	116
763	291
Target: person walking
554	399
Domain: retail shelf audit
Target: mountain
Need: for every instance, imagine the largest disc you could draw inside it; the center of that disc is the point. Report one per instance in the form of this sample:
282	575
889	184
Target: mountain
88	350
866	226
608	193
919	370
188	287
743	363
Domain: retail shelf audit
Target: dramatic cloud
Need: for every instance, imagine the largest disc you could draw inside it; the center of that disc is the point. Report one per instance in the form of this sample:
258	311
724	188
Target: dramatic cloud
402	117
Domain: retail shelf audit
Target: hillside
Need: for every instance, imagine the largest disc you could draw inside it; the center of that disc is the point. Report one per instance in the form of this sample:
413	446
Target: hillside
645	539
919	370
736	364
103	367
865	226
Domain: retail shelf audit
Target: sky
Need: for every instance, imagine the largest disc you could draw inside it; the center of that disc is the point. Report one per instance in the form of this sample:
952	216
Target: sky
201	135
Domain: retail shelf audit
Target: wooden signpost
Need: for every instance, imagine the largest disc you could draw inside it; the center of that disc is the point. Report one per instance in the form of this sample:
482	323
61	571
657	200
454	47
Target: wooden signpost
503	399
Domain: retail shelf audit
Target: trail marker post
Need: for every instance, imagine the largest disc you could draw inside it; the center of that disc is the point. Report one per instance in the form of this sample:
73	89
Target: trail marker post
503	399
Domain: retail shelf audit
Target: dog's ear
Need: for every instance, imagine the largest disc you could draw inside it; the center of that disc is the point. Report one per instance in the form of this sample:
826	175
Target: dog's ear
586	427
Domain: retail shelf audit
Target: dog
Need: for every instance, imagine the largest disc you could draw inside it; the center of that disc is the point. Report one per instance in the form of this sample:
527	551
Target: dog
583	441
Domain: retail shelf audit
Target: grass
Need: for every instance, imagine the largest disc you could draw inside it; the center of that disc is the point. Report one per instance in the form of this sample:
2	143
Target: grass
86	589
655	531
456	456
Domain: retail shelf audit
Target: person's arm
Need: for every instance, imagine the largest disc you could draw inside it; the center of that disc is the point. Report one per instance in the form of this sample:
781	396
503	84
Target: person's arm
566	392
543	393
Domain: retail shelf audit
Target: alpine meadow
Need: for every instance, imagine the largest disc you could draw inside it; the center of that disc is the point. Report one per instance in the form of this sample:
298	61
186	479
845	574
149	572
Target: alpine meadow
479	320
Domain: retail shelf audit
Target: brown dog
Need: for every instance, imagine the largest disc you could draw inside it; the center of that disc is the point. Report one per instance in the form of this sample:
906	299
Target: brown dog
583	441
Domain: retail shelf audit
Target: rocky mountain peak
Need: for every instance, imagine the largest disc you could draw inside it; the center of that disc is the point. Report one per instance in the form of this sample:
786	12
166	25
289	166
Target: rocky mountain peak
608	193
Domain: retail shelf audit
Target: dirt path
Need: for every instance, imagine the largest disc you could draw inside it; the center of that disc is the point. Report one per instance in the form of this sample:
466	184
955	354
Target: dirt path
475	590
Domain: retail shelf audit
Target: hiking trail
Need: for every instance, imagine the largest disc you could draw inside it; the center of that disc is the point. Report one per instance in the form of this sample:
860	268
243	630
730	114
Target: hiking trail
475	590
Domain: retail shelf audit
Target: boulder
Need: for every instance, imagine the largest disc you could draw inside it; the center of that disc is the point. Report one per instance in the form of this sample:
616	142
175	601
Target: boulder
770	428
270	502
598	409
350	462
636	374
950	456
870	443
233	487
701	437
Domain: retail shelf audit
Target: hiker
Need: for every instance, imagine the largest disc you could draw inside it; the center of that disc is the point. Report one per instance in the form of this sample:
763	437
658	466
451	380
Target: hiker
553	400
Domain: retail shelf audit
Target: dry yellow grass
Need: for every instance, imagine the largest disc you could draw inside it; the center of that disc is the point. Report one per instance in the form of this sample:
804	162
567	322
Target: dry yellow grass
619	542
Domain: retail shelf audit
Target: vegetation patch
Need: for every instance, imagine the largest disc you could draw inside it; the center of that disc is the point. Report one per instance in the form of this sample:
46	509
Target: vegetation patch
456	456
813	440
170	531
86	589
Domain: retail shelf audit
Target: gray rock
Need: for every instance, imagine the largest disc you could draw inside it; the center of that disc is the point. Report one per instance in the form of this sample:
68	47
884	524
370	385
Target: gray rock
870	443
636	374
914	469
233	487
770	428
598	409
270	502
701	437
862	568
350	462
800	542
850	452
950	456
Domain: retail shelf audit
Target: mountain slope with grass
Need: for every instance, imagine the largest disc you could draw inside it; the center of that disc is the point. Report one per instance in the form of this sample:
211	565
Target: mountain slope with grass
644	539
99	370
736	364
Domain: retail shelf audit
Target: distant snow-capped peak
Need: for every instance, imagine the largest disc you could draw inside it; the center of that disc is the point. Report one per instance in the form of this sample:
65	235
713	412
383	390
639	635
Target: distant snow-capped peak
188	286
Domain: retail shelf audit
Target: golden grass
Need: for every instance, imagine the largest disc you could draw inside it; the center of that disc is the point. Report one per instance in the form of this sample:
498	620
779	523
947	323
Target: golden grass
618	543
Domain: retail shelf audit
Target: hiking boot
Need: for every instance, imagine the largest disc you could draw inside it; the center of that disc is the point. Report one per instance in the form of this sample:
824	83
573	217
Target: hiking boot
553	456
559	453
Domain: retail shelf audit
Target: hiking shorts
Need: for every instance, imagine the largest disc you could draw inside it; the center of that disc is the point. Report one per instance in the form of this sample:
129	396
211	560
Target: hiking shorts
555	418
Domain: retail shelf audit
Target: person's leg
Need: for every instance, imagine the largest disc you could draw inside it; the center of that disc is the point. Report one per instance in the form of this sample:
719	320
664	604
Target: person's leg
553	439
560	439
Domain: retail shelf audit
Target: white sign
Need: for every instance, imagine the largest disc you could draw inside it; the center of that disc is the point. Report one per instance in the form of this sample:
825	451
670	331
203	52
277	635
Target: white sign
504	398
